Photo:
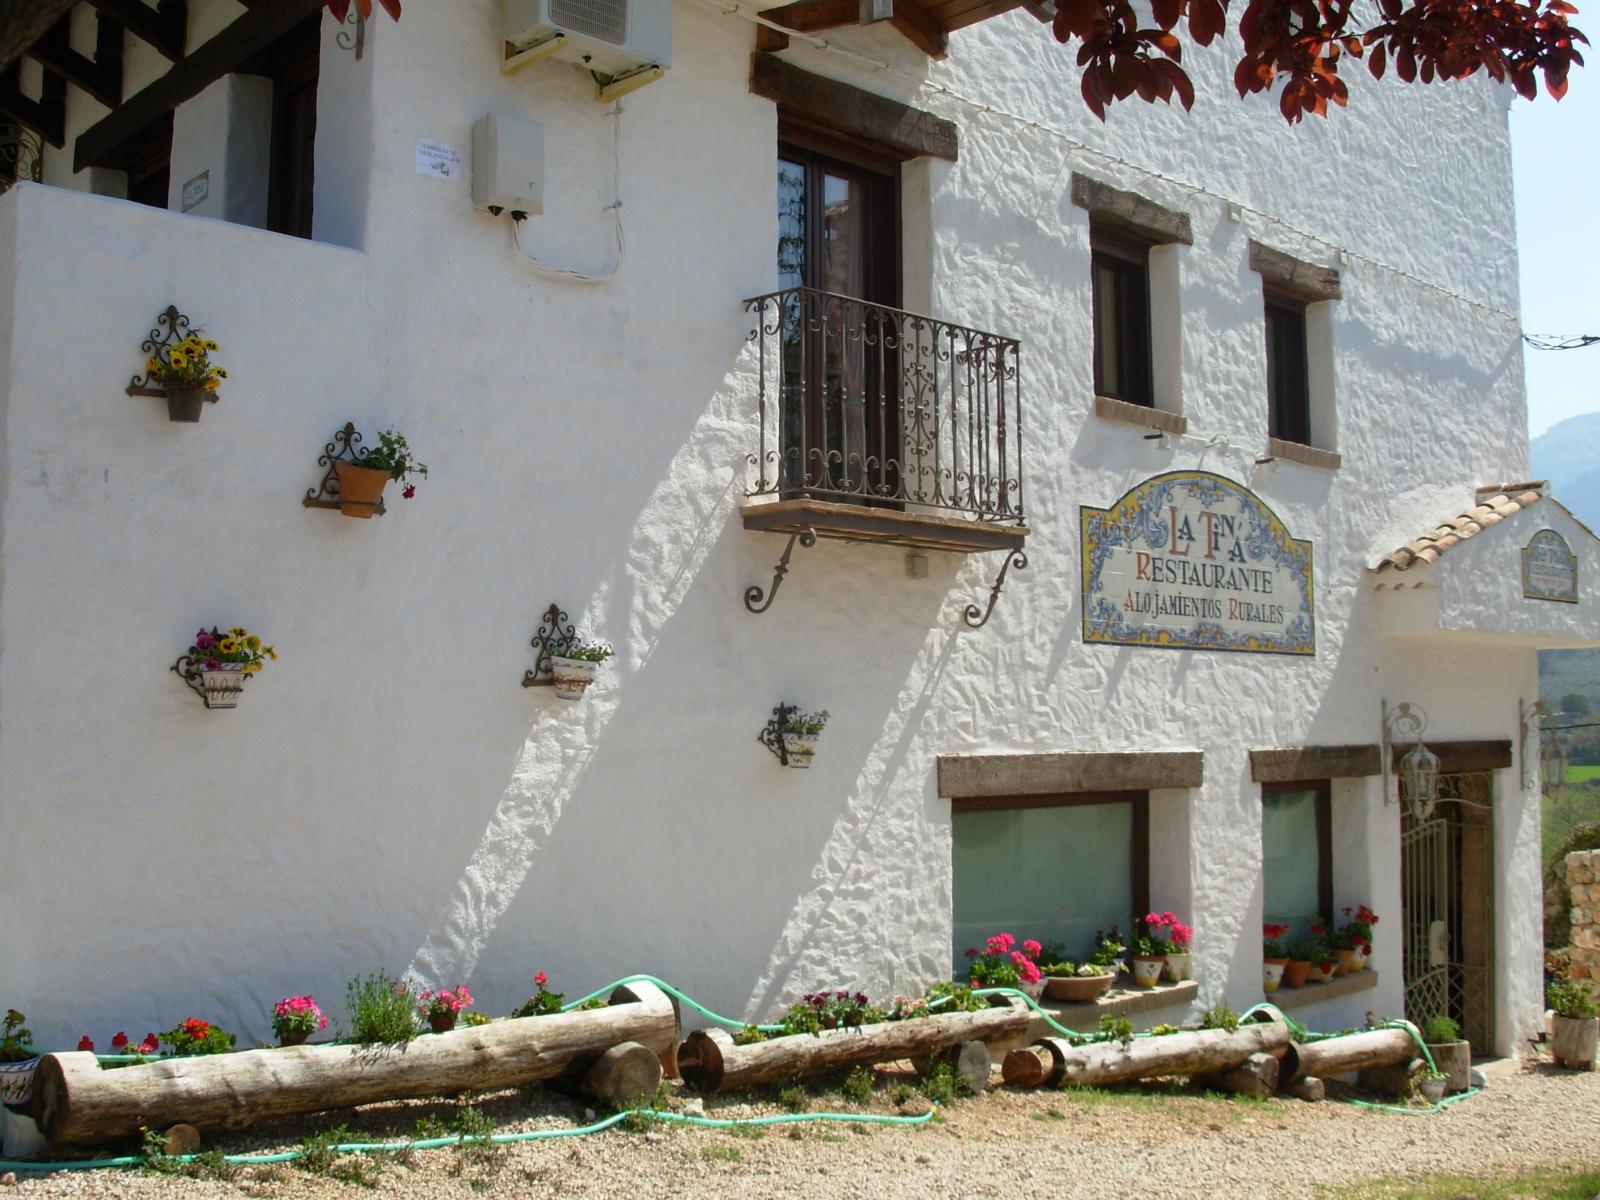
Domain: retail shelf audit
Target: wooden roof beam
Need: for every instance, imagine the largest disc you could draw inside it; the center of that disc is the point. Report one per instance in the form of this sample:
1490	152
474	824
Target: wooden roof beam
100	76
24	22
165	27
46	116
911	19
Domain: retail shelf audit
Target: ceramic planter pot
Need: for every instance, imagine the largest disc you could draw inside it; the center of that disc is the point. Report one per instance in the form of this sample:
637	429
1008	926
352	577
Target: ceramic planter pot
1432	1089
442	1022
1573	1040
800	748
1455	1060
1345	960
1177	967
360	488
1147	969
1295	973
1077	989
1358	962
572	676
1324	971
1272	973
16	1081
184	402
224	686
294	1037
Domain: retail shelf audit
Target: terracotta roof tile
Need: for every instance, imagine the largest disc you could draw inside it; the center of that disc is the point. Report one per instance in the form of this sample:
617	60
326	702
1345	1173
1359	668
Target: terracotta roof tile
1490	510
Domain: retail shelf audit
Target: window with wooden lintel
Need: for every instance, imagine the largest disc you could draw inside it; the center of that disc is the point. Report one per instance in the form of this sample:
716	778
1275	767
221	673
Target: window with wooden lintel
1298	328
1288	375
1120	262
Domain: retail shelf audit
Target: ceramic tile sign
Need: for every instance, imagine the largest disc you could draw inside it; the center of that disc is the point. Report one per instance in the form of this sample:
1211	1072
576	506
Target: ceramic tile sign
1549	568
1192	561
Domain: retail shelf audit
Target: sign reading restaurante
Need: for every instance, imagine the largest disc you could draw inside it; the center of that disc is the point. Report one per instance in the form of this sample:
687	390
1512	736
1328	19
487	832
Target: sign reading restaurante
1549	568
1190	560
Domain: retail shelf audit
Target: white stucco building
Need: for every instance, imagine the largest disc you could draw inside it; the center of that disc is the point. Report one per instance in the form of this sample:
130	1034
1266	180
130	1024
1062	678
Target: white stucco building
1281	359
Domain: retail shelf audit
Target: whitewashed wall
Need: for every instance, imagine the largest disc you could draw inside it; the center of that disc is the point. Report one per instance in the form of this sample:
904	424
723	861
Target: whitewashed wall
388	796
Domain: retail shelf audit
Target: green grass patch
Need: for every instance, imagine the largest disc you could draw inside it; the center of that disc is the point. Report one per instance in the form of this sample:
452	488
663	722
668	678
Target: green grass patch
1545	1184
1583	774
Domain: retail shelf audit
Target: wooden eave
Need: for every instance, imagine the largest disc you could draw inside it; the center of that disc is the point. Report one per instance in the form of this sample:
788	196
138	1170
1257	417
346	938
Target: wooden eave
885	526
927	24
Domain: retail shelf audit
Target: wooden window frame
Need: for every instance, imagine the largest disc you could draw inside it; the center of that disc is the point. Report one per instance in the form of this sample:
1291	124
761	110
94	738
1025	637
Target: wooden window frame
293	63
1141	825
1121	249
1279	424
1324	827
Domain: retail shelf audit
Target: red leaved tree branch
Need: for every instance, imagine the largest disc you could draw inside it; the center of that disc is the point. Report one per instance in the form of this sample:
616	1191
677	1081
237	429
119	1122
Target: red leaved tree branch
341	8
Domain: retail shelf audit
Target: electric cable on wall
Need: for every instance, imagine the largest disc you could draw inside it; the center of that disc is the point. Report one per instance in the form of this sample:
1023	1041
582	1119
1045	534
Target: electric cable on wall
615	208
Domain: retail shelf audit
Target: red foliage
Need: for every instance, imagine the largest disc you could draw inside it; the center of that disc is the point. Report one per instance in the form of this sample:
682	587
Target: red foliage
341	8
1305	41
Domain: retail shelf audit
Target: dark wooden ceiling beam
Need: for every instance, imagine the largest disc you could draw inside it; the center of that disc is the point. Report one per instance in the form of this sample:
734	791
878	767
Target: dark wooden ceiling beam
165	27
100	76
24	22
813	16
46	116
223	54
911	19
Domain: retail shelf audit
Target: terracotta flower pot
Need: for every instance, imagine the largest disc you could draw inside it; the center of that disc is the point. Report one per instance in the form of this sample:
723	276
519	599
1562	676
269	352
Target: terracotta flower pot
184	401
1345	960
442	1022
293	1037
360	488
1147	969
1272	973
1077	989
1294	975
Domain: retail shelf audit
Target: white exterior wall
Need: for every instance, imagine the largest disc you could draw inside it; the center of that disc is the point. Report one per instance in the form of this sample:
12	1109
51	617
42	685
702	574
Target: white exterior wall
387	796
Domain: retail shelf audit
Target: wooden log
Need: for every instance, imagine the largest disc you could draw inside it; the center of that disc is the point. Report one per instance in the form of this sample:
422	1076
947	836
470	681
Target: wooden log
1395	1081
709	1061
78	1102
1256	1076
1308	1088
1198	1052
1353	1052
972	1062
1573	1041
623	1075
1030	1066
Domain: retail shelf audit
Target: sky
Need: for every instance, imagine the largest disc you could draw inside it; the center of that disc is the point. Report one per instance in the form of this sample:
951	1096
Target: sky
1555	150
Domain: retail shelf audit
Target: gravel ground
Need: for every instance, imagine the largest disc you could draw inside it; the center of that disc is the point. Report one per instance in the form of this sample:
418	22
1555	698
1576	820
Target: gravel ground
1088	1144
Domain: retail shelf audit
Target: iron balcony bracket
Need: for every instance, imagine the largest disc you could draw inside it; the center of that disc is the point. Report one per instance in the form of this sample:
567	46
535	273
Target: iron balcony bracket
772	736
757	600
345	447
971	613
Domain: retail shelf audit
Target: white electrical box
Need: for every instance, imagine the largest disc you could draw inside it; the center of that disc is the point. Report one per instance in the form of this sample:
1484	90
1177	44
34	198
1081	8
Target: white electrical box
508	164
616	39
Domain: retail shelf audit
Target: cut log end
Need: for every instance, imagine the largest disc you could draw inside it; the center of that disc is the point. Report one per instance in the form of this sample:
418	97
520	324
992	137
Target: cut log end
700	1059
1308	1088
624	1075
972	1062
1027	1067
1256	1076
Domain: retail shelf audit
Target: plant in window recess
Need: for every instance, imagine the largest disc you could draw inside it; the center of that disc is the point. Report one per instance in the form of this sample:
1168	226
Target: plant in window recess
1179	938
218	663
361	481
1001	964
1352	943
800	733
1316	951
574	662
1075	983
1274	957
1151	945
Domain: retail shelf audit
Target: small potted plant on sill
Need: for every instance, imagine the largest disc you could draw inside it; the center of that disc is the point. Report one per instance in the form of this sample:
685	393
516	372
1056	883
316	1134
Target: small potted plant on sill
800	733
17	1060
186	374
1358	926
1298	970
1150	950
361	481
1574	1029
1181	938
1076	983
1001	964
1323	963
574	666
1450	1054
442	1008
224	661
1274	959
192	1036
295	1018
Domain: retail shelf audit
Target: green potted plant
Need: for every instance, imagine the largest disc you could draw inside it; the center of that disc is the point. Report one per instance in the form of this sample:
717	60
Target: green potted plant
574	663
1450	1054
1150	949
1076	983
361	481
186	374
441	1009
1177	968
1274	959
1359	926
295	1018
1323	964
800	733
1301	953
1574	1029
17	1060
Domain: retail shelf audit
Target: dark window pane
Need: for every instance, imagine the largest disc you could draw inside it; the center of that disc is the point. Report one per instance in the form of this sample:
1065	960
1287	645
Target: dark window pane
1122	328
791	224
1288	381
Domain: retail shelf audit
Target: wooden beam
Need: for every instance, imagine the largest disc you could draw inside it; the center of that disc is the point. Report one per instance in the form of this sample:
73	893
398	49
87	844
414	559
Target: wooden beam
911	19
46	116
223	54
100	77
1463	758
1315	762
906	130
971	775
1129	210
809	16
769	40
24	22
982	12
164	27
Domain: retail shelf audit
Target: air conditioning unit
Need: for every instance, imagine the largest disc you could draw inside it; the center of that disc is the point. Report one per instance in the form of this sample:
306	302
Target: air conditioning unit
626	43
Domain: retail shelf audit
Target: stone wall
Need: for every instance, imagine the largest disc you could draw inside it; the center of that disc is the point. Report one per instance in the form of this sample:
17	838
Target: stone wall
1583	955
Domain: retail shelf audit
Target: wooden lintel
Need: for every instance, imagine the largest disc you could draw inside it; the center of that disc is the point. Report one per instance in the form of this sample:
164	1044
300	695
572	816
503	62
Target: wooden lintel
910	132
164	27
1315	762
46	116
912	20
1464	758
100	77
970	775
223	54
981	13
24	22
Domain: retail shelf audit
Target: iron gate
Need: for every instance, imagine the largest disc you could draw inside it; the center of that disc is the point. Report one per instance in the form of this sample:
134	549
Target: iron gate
1447	893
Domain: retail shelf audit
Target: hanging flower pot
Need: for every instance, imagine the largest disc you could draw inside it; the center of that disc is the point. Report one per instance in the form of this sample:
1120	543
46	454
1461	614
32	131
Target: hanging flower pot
218	664
801	748
360	488
572	675
179	367
792	735
1147	969
184	401
361	479
1272	973
223	684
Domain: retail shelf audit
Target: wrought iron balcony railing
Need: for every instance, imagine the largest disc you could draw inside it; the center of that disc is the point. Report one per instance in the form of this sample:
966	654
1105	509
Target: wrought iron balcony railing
861	403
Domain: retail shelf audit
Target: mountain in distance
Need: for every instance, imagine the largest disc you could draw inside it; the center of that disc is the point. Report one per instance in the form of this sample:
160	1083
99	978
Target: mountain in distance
1568	455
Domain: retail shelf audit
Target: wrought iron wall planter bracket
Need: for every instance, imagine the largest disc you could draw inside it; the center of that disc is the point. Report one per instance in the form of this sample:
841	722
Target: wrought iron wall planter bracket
772	735
556	628
171	326
345	447
977	618
187	668
758	600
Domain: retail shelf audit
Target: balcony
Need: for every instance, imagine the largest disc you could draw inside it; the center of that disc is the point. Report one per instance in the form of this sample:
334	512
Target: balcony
880	425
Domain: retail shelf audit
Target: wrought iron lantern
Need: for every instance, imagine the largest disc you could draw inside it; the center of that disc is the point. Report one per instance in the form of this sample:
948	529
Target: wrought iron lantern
1418	768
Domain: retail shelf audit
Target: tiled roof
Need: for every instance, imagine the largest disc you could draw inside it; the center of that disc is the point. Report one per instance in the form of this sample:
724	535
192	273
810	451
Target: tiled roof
1493	507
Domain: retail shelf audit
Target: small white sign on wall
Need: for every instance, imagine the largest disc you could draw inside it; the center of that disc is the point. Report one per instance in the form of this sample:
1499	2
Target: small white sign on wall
439	159
196	190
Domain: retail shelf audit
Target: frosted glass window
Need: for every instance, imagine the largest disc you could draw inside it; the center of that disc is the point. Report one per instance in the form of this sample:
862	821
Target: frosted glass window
1060	873
1292	859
